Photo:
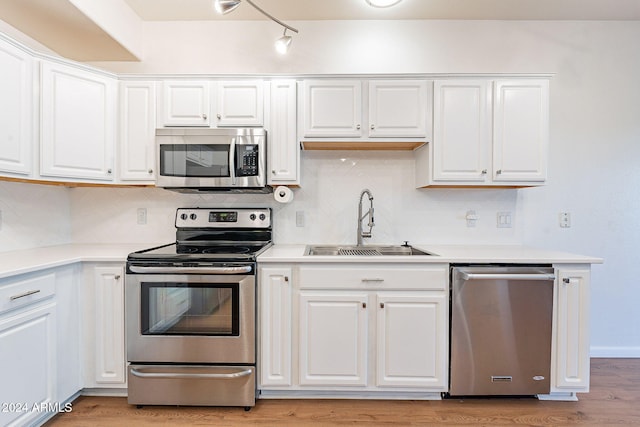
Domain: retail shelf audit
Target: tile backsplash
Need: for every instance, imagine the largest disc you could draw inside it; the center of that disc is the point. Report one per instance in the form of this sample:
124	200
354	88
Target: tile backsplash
35	215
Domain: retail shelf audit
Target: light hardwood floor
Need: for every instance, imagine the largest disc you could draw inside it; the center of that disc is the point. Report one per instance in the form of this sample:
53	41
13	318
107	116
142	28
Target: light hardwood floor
614	400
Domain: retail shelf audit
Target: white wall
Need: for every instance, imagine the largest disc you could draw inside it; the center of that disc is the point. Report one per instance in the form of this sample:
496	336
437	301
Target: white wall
595	139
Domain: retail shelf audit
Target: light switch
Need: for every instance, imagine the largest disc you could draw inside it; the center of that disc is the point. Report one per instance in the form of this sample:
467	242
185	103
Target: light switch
299	218
471	218
504	220
142	216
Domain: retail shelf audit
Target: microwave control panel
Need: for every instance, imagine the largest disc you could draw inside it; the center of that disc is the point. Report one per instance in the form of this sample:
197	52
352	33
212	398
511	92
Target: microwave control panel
247	160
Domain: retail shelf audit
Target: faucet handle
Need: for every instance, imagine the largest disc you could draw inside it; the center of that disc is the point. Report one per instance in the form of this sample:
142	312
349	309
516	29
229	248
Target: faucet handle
366	234
406	243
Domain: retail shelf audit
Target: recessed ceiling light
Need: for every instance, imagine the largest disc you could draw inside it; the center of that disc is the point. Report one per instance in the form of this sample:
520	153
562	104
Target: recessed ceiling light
382	3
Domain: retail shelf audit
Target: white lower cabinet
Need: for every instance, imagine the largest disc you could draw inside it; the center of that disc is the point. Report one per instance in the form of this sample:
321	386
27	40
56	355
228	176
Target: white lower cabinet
27	364
333	338
410	326
103	327
39	346
358	330
570	347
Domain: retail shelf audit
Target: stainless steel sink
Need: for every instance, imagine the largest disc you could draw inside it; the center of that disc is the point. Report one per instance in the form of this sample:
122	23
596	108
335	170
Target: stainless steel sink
364	250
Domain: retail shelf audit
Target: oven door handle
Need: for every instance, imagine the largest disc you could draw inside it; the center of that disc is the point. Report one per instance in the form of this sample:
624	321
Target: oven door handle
232	375
191	270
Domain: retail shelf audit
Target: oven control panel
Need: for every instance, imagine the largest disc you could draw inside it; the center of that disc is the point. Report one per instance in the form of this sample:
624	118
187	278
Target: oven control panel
223	218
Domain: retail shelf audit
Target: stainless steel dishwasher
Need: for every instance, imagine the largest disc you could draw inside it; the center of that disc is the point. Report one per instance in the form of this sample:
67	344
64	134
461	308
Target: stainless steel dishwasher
501	330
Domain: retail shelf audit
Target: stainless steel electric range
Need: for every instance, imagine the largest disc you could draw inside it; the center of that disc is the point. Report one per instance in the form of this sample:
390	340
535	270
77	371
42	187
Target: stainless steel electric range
191	311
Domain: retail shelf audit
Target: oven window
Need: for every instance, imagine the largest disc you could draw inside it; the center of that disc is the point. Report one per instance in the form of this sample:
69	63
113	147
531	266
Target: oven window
195	160
190	309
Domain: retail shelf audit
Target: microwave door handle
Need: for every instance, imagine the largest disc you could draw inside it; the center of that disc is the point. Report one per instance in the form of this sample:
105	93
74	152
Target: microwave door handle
232	161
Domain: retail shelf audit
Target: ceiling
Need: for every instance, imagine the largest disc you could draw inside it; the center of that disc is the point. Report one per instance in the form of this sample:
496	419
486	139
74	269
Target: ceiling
113	30
294	10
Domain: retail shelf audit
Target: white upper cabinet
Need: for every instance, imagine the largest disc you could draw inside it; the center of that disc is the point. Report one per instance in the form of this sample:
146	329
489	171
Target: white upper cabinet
284	154
137	127
461	130
398	108
16	105
487	138
331	108
78	125
240	103
184	104
521	130
391	109
211	103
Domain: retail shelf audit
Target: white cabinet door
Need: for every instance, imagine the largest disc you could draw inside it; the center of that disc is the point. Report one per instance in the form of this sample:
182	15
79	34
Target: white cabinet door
184	104
77	124
16	105
275	327
284	154
27	363
571	337
110	357
462	130
137	131
331	108
412	348
240	103
398	108
521	130
68	320
333	339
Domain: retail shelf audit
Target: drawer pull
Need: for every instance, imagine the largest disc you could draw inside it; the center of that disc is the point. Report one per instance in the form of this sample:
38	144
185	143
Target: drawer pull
373	280
26	294
364	305
381	305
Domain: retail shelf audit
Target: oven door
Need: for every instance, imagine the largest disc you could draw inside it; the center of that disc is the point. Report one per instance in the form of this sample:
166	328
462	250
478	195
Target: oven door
190	318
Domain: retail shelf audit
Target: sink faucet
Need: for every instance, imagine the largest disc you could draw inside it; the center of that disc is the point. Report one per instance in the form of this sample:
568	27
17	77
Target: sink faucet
365	234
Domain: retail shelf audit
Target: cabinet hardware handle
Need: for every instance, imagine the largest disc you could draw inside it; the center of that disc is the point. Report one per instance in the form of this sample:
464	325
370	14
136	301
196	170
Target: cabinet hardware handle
381	305
204	117
566	280
484	171
364	305
150	171
26	294
499	172
117	277
373	127
286	278
218	116
109	171
372	280
358	127
273	172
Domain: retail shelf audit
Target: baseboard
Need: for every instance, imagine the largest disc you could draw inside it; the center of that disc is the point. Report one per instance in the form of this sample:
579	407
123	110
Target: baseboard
615	352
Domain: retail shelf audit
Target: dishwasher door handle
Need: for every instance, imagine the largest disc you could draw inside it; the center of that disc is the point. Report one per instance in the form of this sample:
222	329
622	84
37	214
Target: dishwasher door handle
507	276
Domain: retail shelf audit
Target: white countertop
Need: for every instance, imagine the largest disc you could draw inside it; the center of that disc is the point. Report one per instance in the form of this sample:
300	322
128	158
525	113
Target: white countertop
440	254
25	261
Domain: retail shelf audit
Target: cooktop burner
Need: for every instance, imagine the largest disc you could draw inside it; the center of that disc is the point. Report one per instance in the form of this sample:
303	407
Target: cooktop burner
221	235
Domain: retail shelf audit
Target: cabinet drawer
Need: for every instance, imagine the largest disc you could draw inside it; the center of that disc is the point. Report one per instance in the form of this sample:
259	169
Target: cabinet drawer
369	276
26	291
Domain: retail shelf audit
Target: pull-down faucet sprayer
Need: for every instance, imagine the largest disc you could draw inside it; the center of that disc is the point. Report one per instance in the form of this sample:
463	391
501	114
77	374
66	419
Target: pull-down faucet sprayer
369	213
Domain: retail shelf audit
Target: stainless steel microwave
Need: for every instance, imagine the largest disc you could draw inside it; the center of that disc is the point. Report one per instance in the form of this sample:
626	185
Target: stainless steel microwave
210	160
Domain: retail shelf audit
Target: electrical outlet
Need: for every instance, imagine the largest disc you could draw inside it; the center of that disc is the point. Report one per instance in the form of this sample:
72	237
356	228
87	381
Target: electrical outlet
565	219
299	218
504	220
471	218
142	216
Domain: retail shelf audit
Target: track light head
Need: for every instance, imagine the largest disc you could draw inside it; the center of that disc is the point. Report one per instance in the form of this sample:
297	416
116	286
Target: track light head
225	6
283	43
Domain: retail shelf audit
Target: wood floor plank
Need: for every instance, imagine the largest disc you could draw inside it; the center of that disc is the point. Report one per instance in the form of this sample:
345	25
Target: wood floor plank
614	400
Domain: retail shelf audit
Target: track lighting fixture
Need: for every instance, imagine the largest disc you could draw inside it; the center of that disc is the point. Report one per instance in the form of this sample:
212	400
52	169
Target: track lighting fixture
282	44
